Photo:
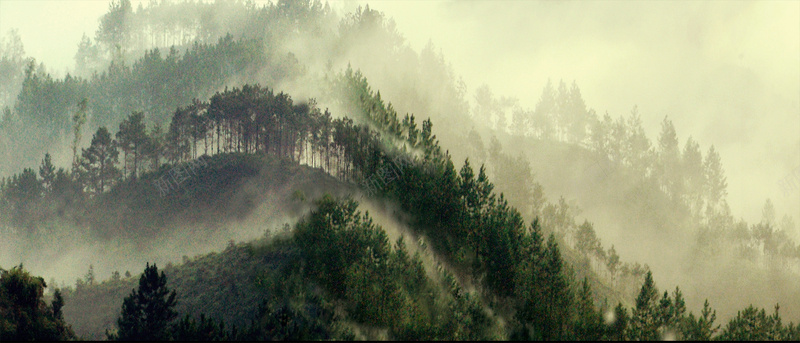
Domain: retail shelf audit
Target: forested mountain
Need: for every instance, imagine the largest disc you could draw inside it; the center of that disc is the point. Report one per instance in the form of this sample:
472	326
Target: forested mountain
186	123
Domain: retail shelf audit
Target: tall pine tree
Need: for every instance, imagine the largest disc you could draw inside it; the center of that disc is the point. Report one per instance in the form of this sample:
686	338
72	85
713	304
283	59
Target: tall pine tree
98	165
132	139
147	314
645	320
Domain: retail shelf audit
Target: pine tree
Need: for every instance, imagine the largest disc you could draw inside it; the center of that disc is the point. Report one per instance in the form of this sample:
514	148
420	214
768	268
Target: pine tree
58	304
753	325
47	171
715	182
521	121
154	150
98	165
557	297
207	329
768	214
645	320
678	313
577	116
613	262
586	240
78	119
529	287
589	325
484	104
693	176
618	330
132	139
639	153
89	277
669	160
147	313
114	30
701	328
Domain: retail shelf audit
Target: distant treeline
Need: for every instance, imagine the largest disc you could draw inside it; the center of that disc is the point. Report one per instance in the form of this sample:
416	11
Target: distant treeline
519	267
520	270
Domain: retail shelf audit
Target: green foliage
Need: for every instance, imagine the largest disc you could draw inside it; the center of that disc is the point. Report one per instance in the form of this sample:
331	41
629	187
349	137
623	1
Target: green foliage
98	163
148	312
589	322
618	330
754	325
22	193
78	120
207	329
338	249
587	241
132	139
288	322
24	316
350	258
545	301
645	320
47	171
336	237
381	286
701	328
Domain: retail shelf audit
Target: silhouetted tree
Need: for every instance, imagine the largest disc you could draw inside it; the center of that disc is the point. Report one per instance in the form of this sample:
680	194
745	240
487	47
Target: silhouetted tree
47	171
132	139
701	328
148	312
98	163
645	320
78	119
24	316
589	324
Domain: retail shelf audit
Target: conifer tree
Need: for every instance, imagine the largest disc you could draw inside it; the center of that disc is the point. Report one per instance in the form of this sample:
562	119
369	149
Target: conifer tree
530	285
701	328
645	320
78	119
148	312
613	262
715	182
618	330
557	297
669	159
47	171
98	165
694	177
678	311
589	325
132	139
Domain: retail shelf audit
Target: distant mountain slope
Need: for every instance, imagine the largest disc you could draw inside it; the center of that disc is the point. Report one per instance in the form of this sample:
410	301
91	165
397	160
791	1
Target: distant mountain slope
239	284
235	194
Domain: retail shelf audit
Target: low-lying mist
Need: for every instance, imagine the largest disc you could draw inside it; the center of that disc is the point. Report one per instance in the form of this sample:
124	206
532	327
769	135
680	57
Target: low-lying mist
724	74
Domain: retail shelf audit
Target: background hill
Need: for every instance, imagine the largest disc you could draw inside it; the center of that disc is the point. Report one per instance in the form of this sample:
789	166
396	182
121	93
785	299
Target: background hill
169	146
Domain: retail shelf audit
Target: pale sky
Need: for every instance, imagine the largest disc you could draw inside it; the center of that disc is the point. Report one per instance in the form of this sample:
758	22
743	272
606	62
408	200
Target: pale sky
727	72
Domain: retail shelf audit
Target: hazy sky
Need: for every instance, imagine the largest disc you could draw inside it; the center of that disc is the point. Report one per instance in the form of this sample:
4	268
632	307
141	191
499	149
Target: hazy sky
727	73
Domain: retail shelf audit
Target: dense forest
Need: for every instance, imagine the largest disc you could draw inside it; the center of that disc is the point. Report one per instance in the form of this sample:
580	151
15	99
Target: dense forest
201	114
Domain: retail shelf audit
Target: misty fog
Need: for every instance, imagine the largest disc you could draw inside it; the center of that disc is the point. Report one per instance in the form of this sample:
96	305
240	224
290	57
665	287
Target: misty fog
725	73
718	74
